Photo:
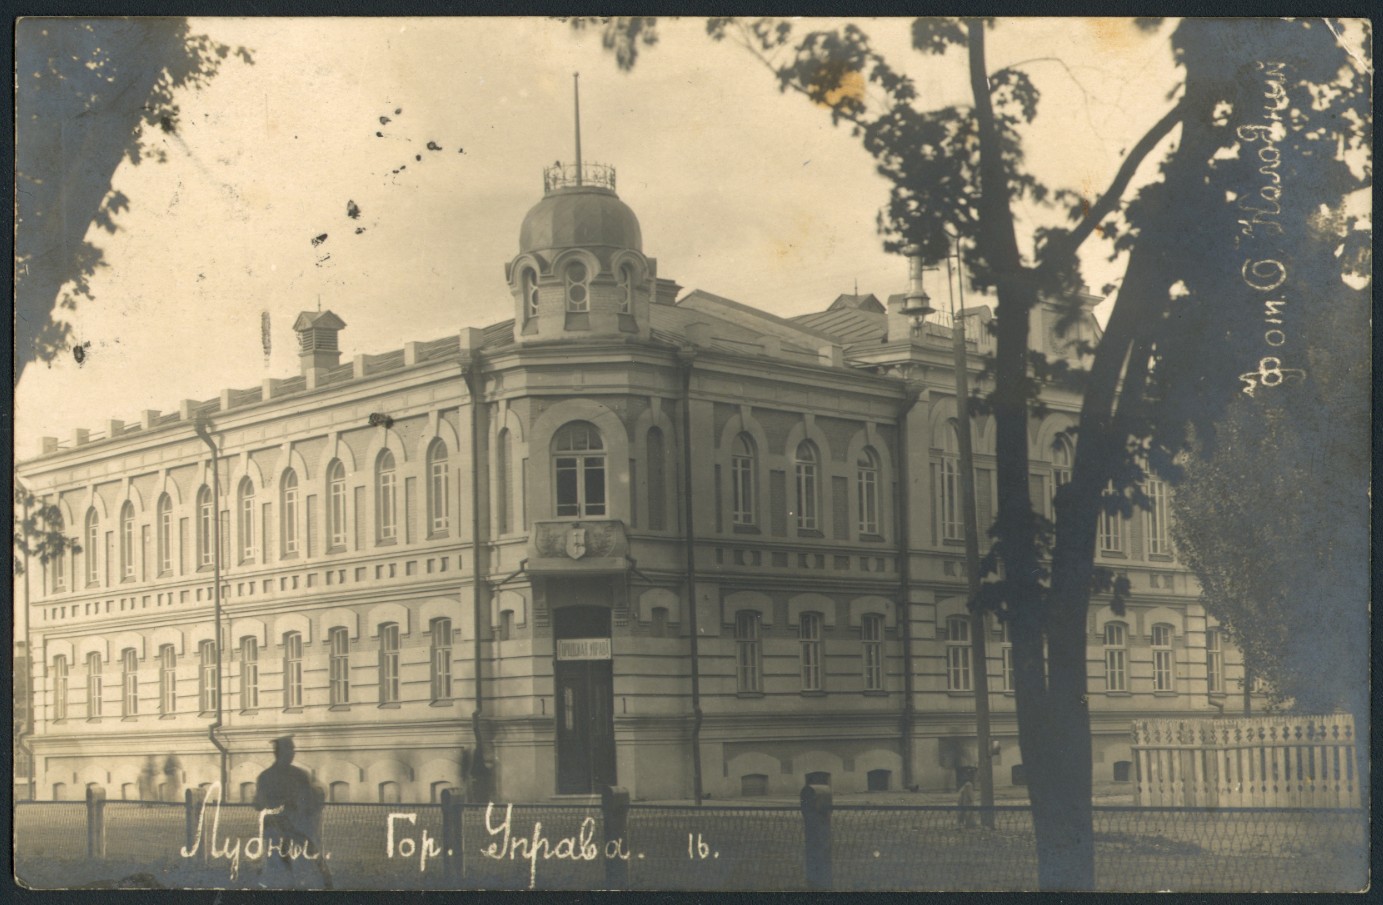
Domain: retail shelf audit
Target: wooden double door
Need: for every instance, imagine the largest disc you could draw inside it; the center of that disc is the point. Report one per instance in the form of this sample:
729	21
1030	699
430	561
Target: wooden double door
583	674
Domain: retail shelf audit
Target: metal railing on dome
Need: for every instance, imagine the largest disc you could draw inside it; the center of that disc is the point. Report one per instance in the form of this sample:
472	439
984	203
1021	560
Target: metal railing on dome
567	175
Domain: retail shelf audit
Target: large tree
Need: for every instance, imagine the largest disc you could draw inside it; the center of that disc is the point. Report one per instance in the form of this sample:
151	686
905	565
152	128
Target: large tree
1182	334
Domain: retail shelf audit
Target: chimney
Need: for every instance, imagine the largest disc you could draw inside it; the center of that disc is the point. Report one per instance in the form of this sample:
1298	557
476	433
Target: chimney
410	353
113	427
81	436
148	417
50	445
318	349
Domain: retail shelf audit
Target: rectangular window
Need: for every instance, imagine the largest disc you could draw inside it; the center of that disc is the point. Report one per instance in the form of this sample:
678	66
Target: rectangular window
749	653
952	522
386	506
339	665
129	683
288	530
1214	662
958	654
336	512
1162	657
389	663
249	673
809	639
1111	530
60	572
441	659
59	688
208	688
806	496
1006	652
247	527
93	686
439	494
742	489
1115	657
872	637
167	680
292	670
1159	544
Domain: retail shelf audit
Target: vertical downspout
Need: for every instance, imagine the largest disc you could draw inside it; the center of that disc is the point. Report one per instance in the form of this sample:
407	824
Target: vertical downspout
685	359
910	397
26	731
481	757
202	431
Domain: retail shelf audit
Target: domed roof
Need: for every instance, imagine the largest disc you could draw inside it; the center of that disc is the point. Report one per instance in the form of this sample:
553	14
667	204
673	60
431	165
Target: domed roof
580	216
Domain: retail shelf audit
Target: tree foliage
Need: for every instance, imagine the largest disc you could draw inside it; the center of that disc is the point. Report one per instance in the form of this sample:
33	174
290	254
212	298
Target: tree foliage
38	530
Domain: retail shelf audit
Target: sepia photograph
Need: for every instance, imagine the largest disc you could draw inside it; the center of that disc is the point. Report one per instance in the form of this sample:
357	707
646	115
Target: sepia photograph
692	454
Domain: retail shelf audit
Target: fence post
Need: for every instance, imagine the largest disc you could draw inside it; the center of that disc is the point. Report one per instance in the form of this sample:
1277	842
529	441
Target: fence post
95	822
614	806
816	817
453	852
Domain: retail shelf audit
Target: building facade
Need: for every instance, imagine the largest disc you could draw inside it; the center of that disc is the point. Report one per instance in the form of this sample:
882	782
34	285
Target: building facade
621	537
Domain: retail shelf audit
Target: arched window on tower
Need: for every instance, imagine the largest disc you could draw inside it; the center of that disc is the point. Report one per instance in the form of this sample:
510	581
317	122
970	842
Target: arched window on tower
438	489
626	288
577	278
579	464
528	283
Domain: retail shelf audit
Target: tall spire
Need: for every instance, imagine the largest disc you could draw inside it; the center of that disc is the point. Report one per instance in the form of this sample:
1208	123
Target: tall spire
576	94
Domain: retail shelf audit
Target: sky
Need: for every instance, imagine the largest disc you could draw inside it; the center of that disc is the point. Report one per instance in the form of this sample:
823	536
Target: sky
741	190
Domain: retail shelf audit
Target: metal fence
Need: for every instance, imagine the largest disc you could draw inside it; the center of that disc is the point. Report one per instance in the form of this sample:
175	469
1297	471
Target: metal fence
584	846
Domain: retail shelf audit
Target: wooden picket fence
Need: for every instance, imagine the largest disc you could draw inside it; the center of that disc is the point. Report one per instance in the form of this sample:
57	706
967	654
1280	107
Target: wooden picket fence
1267	761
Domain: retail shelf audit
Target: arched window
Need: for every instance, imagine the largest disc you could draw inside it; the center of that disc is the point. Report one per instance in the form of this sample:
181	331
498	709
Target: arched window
59	687
339	792
292	670
339	665
749	651
167	680
872	637
390	793
1062	457
742	471
93	539
657	480
1115	656
438	489
1163	676
288	512
1214	661
809	641
336	504
127	541
1111	528
626	286
59	560
504	469
867	491
93	686
441	659
1159	542
209	678
952	521
579	463
249	673
577	279
389	663
386	499
246	497
165	535
808	495
529	286
129	682
205	529
958	654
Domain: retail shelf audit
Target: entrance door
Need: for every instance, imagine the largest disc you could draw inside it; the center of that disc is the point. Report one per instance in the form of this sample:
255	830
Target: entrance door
584	679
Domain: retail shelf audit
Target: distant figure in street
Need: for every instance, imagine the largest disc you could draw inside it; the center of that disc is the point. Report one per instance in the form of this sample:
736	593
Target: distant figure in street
966	800
299	823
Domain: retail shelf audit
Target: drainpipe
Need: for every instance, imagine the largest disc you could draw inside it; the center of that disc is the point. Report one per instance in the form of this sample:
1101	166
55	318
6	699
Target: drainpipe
686	359
910	397
25	737
482	757
203	430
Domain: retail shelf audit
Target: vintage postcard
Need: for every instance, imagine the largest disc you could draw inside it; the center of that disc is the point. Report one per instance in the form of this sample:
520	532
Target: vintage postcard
687	454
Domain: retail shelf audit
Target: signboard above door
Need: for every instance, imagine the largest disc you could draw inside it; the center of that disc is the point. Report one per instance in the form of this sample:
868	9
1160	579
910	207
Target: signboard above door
583	648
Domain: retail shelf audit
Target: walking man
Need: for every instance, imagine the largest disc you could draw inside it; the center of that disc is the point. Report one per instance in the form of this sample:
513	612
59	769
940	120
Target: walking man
293	833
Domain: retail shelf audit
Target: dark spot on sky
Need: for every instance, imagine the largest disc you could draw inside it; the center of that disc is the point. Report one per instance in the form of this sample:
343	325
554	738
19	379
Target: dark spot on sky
398	110
403	166
359	230
379	419
384	120
379	135
352	210
79	352
417	157
319	239
433	146
460	150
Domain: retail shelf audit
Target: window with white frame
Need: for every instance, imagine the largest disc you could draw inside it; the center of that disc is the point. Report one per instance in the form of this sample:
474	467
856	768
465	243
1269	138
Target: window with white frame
809	643
249	673
867	491
1111	528
93	541
165	534
209	675
389	663
246	498
292	670
579	463
1214	661
93	686
504	471
529	283
626	287
127	547
1006	657
339	665
742	470
59	687
438	489
1159	541
872	640
958	676
336	504
1162	658
129	682
206	551
167	680
288	512
577	279
441	659
952	518
386	498
1062	458
749	651
808	486
1115	656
